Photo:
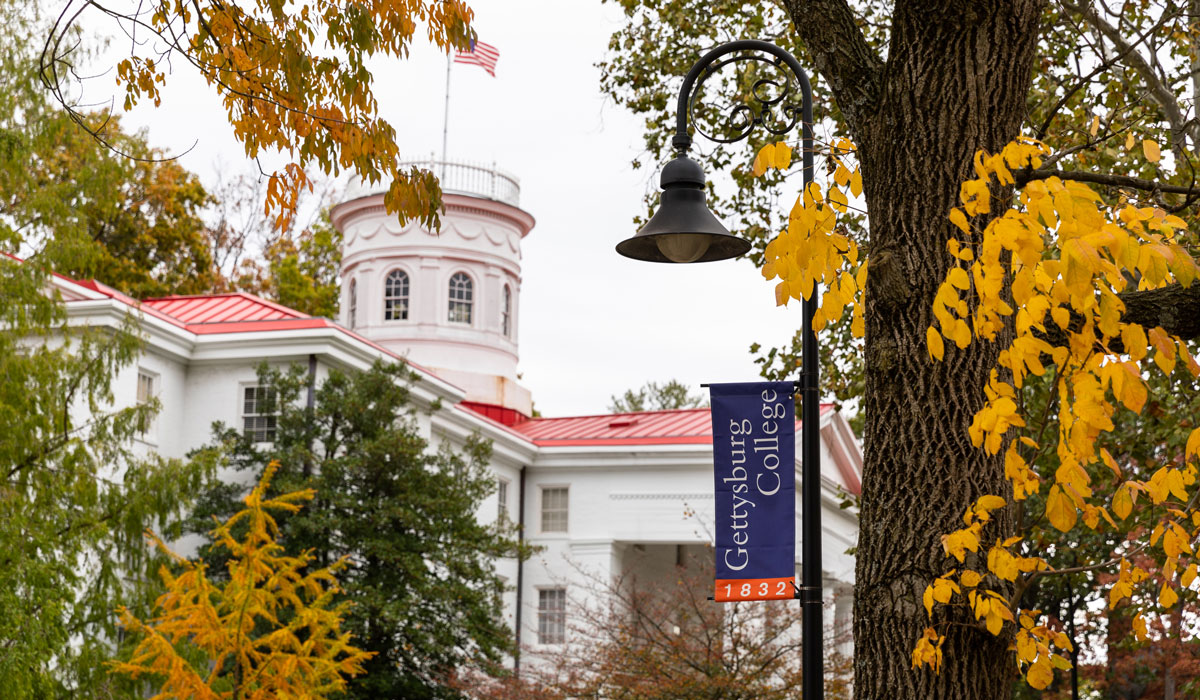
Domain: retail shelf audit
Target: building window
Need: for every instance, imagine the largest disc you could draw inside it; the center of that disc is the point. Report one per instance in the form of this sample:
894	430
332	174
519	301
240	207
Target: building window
460	298
353	311
259	413
506	312
552	616
145	393
395	296
554	509
502	499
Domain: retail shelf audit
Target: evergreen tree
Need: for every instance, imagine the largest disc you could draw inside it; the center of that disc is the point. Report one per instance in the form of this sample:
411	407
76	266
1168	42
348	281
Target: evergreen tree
420	575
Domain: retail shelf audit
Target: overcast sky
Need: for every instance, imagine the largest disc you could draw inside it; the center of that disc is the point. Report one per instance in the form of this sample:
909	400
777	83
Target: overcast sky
592	323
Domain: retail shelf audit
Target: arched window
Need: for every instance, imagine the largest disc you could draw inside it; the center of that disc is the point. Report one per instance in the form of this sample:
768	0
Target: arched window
506	312
353	313
395	296
460	298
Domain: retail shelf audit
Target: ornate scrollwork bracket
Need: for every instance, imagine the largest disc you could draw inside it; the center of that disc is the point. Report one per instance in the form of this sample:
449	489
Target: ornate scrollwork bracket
770	104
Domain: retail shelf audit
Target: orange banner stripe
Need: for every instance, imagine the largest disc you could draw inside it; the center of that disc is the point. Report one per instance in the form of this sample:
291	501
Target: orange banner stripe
727	590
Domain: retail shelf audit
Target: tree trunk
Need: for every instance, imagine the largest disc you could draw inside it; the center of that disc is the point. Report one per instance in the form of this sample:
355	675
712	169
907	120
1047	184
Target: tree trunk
955	81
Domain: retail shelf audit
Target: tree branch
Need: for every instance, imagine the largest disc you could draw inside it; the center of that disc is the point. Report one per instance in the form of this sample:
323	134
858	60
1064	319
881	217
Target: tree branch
1175	308
1024	177
1160	91
842	55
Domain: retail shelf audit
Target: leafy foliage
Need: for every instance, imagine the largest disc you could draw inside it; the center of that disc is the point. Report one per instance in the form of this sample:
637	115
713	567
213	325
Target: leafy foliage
134	222
76	495
1062	257
292	77
419	563
657	397
299	270
1108	215
269	630
76	491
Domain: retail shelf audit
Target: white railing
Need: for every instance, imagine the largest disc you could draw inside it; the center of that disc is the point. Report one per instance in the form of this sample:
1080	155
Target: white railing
473	179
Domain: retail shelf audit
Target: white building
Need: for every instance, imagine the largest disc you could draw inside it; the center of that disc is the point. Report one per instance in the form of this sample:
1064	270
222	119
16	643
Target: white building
597	493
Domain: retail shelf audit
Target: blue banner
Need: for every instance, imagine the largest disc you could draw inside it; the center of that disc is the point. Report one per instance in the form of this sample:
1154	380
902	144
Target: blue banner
754	469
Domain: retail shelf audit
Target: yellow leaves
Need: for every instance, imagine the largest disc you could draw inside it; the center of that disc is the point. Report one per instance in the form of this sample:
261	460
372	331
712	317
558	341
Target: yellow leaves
991	608
1165	482
996	417
1150	150
1139	628
773	155
1167	596
1122	502
1024	480
970	579
1128	577
933	344
941	591
1165	347
1040	674
1189	575
1192	449
959	542
975	197
856	186
235	626
1175	541
1060	509
286	91
928	651
813	252
987	504
1134	340
837	199
1002	563
960	220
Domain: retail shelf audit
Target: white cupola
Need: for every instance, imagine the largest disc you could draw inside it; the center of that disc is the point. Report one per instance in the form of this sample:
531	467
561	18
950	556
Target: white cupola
447	300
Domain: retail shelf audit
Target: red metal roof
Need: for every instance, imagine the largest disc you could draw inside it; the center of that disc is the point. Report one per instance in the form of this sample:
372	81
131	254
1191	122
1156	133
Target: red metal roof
223	308
690	426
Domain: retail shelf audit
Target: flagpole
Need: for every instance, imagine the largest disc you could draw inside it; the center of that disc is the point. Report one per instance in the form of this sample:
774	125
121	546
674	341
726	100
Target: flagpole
446	117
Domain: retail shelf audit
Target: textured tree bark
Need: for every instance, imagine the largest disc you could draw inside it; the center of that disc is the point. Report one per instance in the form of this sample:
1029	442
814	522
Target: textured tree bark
955	81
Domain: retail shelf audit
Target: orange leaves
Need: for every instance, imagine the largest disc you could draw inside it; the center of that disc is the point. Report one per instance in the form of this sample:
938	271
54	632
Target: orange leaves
141	78
295	82
236	625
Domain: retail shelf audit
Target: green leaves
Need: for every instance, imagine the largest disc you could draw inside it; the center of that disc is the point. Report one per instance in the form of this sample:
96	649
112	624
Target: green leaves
421	566
295	81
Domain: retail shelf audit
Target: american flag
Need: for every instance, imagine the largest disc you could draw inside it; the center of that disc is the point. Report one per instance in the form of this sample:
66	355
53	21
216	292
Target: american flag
482	55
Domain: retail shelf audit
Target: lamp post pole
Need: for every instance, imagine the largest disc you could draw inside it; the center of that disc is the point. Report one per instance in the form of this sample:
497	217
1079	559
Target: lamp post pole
684	230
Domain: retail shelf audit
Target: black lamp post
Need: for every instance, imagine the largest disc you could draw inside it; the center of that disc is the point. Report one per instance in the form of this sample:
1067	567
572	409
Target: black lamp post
684	231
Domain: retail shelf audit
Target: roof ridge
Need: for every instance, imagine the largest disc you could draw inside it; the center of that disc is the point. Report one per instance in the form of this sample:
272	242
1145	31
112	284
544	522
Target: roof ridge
628	413
274	305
